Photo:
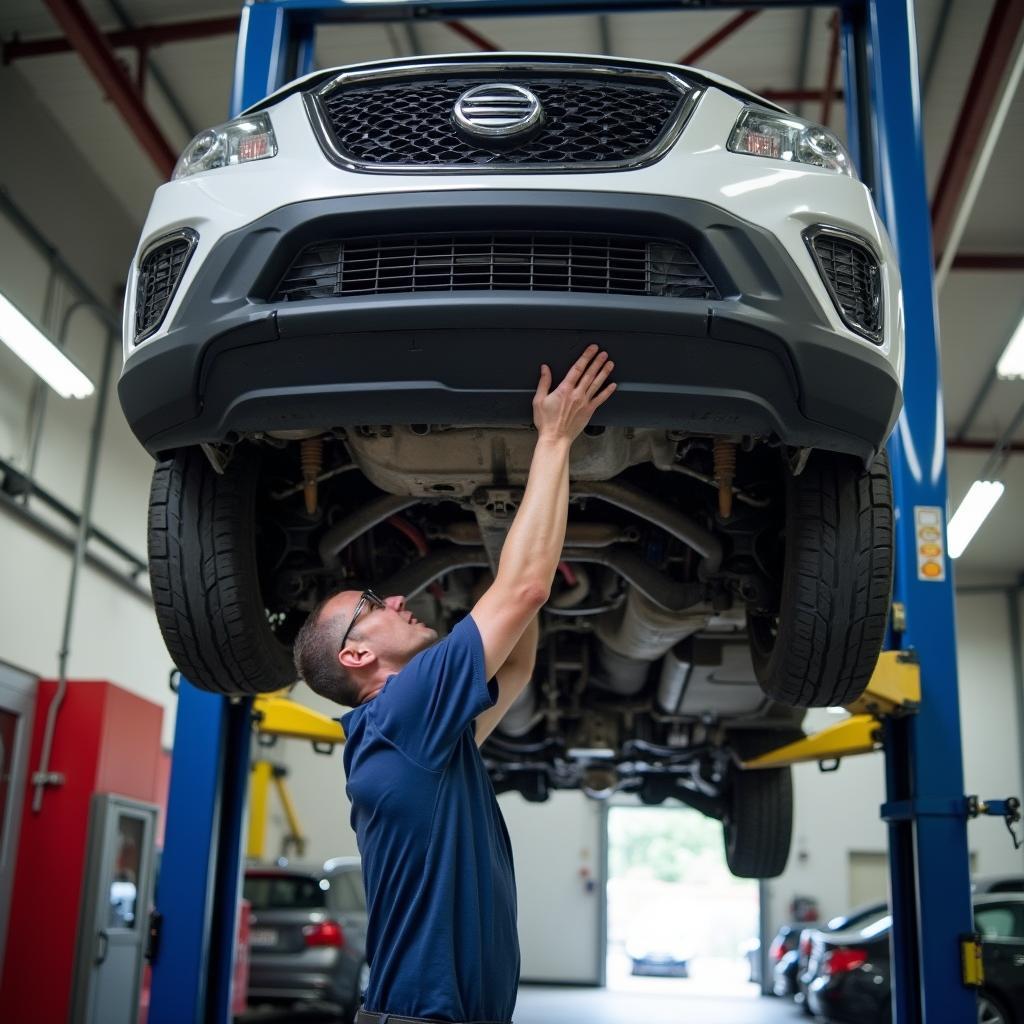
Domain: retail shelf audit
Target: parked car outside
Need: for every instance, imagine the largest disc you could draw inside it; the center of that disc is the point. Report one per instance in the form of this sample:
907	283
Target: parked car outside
334	324
307	935
855	984
662	950
750	950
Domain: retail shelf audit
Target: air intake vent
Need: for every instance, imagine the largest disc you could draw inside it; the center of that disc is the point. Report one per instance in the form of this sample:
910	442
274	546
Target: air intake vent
507	261
853	279
159	274
591	118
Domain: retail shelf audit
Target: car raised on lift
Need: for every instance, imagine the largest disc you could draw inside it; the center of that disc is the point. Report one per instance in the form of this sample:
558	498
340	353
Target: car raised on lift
333	328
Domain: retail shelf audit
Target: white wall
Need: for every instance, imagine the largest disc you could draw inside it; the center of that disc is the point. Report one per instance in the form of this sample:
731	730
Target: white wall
559	913
838	813
115	634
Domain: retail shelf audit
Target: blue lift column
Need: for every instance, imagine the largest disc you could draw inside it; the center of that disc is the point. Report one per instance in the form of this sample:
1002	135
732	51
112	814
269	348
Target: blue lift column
925	807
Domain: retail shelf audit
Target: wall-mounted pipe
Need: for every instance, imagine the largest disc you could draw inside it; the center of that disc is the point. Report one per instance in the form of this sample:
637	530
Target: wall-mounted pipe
43	777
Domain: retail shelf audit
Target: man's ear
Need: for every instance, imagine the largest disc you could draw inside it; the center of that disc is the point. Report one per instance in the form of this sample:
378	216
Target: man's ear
356	657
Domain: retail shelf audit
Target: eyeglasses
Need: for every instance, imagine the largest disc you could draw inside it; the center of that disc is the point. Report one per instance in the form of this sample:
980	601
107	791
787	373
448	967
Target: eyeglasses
367	597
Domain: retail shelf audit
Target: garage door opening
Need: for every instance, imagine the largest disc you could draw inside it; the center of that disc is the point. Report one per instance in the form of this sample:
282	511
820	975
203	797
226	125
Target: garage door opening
678	920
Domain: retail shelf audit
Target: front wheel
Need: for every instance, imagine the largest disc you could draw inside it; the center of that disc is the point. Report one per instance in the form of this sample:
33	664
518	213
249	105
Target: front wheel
203	572
816	641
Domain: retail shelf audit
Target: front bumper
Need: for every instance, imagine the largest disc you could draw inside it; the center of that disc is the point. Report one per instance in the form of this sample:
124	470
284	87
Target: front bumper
766	359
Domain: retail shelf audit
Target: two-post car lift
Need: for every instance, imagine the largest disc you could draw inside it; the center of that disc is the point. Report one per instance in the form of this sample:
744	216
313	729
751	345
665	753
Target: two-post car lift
926	809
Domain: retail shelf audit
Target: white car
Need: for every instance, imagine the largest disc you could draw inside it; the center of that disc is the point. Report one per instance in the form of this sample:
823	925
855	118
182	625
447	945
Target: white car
334	323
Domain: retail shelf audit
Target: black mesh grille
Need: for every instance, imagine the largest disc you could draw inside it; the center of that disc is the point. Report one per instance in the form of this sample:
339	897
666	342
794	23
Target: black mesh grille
587	121
159	275
852	273
517	261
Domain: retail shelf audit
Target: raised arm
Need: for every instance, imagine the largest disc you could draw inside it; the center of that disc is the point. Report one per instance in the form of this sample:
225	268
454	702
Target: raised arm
534	543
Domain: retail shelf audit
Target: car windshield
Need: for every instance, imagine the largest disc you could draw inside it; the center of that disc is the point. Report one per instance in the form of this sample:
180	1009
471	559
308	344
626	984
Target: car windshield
284	892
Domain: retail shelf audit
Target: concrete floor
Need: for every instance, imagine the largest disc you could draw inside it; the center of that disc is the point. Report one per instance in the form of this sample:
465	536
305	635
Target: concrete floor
717	992
543	1005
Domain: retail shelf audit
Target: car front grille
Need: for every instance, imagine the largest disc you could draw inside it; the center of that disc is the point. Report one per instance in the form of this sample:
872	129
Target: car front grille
159	273
595	121
854	281
513	261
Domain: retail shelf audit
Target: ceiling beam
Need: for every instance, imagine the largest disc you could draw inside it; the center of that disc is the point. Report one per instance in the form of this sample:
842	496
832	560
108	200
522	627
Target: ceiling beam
988	445
87	39
988	261
481	42
716	38
141	38
976	129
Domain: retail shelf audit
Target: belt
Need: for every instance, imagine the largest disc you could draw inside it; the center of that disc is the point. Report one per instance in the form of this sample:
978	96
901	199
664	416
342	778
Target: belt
370	1017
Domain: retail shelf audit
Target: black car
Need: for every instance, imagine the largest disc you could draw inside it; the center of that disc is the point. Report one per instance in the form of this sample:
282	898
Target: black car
854	984
808	963
782	959
307	935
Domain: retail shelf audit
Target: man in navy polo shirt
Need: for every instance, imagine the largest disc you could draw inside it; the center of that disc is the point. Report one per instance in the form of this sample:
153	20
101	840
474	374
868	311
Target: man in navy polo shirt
437	862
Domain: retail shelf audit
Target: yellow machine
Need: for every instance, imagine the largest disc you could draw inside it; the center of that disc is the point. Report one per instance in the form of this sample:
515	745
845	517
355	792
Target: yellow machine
275	716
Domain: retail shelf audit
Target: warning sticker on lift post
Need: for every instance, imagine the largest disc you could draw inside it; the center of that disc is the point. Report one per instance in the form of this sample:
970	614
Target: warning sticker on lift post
930	542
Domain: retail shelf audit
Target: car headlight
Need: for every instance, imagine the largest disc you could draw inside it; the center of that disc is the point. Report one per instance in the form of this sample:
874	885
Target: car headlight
760	132
236	142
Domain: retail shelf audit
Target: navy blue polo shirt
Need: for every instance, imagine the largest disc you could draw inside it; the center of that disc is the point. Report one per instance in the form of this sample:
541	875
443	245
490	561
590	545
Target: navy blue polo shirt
437	861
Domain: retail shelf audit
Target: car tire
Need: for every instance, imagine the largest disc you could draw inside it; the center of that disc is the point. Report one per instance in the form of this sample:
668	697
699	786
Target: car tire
203	574
818	645
991	1011
758	823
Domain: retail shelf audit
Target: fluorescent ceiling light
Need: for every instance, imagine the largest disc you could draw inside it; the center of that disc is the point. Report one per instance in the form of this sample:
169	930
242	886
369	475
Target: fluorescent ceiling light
36	350
973	511
1011	362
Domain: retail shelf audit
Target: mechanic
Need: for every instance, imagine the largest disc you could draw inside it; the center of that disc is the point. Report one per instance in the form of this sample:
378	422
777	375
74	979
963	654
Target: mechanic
437	863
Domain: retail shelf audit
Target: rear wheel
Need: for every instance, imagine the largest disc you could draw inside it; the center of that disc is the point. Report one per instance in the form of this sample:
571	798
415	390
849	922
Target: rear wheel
816	642
758	823
203	571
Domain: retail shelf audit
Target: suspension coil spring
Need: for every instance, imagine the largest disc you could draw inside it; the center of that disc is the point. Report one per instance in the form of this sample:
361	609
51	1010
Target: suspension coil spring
311	458
725	473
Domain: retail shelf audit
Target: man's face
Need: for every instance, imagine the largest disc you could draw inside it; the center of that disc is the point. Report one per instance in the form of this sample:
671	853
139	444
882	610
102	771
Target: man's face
394	634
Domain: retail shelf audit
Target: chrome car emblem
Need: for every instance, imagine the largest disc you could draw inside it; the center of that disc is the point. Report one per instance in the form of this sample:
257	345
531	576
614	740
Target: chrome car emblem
497	111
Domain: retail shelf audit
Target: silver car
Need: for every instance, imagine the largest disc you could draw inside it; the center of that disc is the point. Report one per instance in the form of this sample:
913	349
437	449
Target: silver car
307	934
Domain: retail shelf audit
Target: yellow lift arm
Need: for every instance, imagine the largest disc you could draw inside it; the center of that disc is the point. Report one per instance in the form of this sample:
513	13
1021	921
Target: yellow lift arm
275	715
894	689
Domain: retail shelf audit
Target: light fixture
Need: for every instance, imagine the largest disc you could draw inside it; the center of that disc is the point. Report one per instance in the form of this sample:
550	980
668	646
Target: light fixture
1011	362
973	511
40	354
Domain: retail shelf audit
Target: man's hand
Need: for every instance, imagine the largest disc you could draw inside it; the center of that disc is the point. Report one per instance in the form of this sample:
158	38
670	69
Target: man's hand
563	413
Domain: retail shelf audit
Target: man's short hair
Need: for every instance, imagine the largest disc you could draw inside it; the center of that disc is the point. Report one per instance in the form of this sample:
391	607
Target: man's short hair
316	656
